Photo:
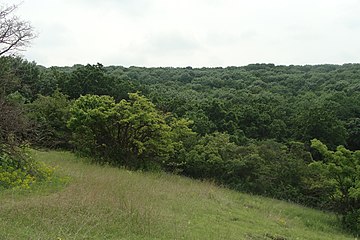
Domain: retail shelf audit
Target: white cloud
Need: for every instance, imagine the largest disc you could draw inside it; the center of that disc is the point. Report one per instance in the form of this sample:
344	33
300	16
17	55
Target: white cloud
197	33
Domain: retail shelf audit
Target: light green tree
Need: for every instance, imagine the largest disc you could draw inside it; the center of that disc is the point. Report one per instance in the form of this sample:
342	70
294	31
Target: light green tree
341	170
130	132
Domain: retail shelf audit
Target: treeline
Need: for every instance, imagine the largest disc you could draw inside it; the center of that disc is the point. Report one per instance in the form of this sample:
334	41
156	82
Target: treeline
260	101
248	128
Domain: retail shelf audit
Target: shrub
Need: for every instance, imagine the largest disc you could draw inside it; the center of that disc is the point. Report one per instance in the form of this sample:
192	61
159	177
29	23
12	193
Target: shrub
266	167
20	170
132	133
210	156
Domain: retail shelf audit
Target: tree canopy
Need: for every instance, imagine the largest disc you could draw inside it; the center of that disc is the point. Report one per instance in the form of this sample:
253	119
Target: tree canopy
129	131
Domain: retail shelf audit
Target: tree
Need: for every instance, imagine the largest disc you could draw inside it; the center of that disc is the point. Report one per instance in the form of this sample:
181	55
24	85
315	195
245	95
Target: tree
9	82
353	139
316	118
210	156
183	138
131	132
27	74
89	79
17	169
341	170
12	125
48	115
15	34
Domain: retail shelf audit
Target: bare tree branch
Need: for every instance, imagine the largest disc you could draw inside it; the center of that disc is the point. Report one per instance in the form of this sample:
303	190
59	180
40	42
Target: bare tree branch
15	34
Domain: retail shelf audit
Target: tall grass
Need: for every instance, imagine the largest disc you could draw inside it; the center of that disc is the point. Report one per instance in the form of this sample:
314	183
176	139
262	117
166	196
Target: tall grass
101	202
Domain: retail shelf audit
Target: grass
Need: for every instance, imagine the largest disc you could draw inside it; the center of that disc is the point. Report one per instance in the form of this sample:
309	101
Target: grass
100	202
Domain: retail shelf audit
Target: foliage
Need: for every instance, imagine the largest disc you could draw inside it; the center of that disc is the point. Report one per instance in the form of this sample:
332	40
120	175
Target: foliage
183	139
260	101
129	132
266	167
20	170
17	169
341	169
8	80
353	126
13	125
17	81
19	75
49	115
92	79
277	170
317	119
208	158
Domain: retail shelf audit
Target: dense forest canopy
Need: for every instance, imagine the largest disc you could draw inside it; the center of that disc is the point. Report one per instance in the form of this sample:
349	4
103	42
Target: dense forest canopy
250	103
258	101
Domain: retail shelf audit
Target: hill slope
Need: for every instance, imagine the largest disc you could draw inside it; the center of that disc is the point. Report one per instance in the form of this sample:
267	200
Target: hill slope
110	203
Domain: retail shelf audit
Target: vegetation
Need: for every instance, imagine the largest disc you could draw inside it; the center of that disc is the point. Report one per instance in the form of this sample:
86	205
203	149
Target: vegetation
48	116
129	132
247	128
341	172
103	202
17	169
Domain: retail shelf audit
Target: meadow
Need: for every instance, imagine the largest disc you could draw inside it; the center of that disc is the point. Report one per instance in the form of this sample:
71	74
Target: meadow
89	201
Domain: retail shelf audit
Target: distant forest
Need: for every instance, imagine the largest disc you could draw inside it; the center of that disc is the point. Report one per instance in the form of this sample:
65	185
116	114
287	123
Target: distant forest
254	102
289	132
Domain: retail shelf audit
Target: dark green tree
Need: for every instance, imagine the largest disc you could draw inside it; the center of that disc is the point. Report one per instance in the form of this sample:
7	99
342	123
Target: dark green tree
49	115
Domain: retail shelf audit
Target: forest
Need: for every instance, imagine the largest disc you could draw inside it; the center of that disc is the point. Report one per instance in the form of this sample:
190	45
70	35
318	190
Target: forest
287	132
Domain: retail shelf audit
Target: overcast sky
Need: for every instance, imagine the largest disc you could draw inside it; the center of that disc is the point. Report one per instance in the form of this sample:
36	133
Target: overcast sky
192	32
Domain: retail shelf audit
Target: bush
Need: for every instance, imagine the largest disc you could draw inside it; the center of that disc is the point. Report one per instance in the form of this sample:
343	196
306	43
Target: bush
266	167
351	221
21	171
210	156
132	133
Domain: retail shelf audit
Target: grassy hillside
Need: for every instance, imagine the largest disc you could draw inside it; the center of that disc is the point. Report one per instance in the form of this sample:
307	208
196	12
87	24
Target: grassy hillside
109	203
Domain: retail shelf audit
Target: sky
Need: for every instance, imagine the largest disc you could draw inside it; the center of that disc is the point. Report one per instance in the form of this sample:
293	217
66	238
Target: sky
197	33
